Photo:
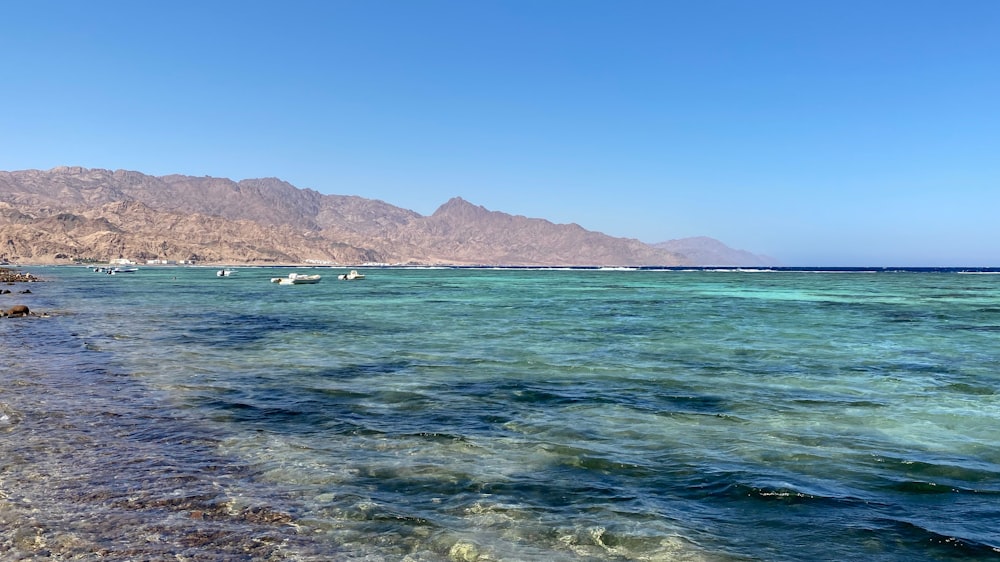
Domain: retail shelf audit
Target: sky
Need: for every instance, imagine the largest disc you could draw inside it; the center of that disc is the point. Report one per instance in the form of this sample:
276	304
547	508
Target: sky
818	132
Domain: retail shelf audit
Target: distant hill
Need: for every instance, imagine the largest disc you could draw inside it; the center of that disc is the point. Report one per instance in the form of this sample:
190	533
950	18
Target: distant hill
703	250
74	213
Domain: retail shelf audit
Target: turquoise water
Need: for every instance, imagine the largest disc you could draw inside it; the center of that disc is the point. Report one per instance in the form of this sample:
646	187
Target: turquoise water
466	414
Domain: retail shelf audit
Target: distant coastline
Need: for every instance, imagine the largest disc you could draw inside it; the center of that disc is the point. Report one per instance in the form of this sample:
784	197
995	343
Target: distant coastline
724	269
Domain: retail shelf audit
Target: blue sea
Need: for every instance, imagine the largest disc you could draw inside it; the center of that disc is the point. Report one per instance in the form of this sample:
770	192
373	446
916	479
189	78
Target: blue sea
501	415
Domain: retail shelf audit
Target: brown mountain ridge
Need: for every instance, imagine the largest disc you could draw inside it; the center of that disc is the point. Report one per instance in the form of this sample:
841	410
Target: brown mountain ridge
75	213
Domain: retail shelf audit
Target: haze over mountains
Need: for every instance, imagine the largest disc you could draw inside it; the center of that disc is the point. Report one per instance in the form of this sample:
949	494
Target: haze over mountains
74	213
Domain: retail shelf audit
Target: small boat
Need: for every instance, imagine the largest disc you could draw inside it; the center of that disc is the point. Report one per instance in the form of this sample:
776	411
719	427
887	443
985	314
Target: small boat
225	273
351	276
110	270
296	279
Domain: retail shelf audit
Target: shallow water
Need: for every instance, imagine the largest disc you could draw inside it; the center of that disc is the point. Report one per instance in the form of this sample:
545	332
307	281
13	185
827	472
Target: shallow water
457	414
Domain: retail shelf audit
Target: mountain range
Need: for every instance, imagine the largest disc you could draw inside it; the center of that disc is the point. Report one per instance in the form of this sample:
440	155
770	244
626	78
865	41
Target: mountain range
79	214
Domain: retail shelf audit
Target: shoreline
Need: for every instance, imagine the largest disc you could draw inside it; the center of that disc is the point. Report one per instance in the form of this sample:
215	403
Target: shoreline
98	465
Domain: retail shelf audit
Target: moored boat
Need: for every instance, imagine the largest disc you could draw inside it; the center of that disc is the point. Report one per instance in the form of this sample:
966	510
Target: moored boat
296	279
115	270
353	275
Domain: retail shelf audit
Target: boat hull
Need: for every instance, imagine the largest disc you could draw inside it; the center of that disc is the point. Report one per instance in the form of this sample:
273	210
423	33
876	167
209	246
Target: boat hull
296	279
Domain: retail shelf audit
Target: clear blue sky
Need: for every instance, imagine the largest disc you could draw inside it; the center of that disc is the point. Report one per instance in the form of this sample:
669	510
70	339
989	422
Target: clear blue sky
840	132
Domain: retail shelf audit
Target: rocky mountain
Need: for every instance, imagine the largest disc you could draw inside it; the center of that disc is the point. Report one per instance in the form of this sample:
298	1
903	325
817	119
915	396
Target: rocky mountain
74	213
703	250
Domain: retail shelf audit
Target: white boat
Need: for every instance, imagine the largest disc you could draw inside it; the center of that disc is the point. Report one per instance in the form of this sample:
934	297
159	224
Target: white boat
225	273
296	279
351	276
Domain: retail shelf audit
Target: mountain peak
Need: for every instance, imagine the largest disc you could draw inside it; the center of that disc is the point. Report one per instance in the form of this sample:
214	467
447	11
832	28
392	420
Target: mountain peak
460	208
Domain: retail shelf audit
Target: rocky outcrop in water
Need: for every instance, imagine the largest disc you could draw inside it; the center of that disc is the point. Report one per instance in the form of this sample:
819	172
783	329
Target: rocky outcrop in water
8	275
